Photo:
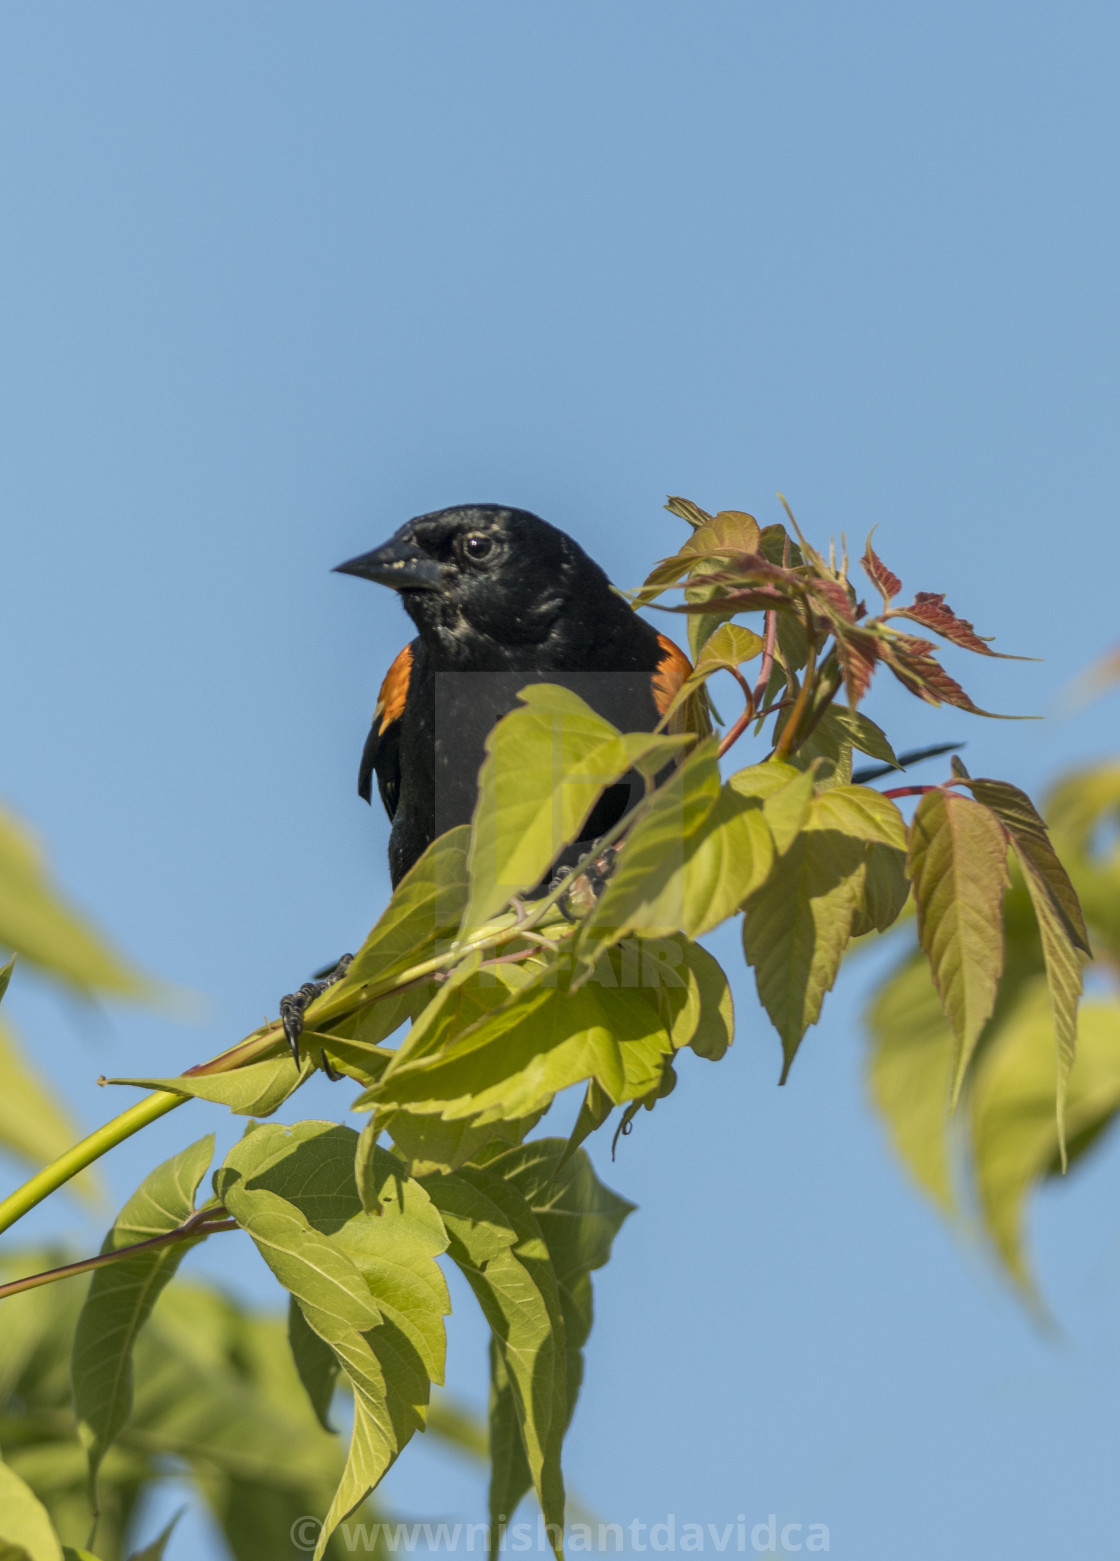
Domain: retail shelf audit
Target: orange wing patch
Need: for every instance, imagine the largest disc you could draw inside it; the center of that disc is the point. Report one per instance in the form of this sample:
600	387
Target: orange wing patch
672	670
394	690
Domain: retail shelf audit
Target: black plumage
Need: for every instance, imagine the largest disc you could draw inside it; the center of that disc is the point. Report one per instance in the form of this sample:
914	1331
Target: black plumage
499	598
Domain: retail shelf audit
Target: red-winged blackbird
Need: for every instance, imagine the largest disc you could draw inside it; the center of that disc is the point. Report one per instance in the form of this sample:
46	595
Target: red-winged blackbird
499	592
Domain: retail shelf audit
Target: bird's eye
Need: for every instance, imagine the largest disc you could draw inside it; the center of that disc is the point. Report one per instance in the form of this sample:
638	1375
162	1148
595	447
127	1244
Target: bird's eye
477	545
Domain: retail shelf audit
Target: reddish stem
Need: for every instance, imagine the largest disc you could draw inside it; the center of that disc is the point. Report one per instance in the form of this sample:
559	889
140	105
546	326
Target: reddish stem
733	733
767	658
910	791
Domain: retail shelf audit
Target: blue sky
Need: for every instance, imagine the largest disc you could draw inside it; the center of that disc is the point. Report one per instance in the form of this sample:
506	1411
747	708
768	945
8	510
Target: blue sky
275	277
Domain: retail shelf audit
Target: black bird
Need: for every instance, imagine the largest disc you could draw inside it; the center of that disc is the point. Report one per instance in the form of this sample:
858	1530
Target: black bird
500	599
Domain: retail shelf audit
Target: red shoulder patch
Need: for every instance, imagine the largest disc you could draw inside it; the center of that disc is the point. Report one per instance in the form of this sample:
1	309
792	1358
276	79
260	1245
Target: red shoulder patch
394	690
672	670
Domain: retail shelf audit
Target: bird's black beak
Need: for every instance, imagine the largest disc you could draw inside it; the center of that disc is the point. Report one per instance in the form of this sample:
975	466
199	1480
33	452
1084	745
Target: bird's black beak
398	563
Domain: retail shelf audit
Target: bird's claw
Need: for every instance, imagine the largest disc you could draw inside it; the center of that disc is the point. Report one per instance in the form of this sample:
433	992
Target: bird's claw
294	1005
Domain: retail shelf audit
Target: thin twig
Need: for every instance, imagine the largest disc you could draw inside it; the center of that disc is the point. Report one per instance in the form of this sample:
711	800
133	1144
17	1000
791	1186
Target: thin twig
771	635
204	1222
733	733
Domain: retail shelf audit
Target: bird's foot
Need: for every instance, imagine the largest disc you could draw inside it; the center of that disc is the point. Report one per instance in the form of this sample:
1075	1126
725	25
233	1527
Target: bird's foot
583	892
294	1005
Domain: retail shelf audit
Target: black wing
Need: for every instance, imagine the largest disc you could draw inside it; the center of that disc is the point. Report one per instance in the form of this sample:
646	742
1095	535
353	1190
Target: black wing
381	755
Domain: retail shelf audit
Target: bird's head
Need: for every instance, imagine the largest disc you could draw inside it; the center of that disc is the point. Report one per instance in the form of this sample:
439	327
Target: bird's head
481	574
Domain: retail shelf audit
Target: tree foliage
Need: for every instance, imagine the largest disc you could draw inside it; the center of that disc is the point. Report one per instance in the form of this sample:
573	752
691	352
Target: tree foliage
502	996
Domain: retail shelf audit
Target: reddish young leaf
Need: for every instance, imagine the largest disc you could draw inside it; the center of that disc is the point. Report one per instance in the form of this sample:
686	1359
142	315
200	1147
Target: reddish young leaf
877	572
858	652
913	666
834	598
930	609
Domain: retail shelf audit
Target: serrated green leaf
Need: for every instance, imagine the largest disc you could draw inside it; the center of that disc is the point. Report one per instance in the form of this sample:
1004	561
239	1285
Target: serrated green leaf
1014	1131
796	927
120	1299
37	923
884	890
715	1027
693	855
1060	922
730	646
546	764
256	1090
579	1219
26	1531
33	1124
497	1243
786	794
367	1284
910	1074
511	1061
958	869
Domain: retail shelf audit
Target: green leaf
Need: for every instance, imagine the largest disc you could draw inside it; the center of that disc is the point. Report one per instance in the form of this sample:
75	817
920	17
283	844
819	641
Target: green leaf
579	1219
428	902
716	644
786	794
910	1073
838	731
546	764
958	869
732	530
497	1243
1014	1132
26	1532
6	976
728	647
1060	922
511	1061
596	1108
367	1284
256	1090
33	1124
684	509
425	1144
121	1297
729	529
693	854
315	1361
647	887
796	927
37	923
708	1024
